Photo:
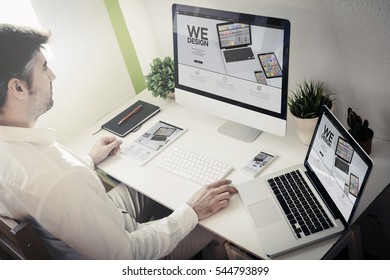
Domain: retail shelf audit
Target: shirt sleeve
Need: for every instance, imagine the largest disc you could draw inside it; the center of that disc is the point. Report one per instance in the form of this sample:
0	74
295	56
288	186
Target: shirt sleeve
80	213
89	161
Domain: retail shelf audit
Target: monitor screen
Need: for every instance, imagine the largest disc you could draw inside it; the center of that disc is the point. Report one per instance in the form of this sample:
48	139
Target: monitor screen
233	65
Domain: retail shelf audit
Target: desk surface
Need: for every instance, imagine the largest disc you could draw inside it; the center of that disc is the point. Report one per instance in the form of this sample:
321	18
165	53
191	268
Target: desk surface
233	223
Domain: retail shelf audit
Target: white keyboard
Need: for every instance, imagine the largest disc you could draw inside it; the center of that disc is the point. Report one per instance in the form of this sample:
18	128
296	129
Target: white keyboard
194	167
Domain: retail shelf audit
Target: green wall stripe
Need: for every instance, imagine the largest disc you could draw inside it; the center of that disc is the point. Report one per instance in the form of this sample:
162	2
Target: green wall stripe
126	45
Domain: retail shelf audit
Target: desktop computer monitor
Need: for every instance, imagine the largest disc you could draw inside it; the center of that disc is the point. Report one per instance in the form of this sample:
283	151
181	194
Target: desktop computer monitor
233	65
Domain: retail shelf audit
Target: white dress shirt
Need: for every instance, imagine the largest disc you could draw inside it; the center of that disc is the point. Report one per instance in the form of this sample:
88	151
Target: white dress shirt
44	182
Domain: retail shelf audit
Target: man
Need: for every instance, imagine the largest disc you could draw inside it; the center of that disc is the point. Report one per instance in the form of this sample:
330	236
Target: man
59	193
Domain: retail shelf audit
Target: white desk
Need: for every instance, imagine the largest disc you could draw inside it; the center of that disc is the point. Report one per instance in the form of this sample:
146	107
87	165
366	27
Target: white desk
233	223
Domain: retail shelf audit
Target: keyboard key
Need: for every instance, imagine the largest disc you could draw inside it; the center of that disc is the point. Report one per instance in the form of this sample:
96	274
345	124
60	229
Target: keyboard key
283	204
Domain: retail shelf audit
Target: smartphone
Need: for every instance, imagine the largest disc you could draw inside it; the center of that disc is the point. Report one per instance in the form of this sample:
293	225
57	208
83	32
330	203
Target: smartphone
260	78
258	163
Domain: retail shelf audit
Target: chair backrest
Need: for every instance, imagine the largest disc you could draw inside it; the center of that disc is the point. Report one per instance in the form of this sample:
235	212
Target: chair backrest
20	241
369	235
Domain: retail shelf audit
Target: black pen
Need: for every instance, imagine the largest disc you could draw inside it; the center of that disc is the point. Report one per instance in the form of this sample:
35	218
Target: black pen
139	107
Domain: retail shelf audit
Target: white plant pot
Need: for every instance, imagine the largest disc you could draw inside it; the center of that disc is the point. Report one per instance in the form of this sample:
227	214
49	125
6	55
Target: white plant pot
171	95
305	128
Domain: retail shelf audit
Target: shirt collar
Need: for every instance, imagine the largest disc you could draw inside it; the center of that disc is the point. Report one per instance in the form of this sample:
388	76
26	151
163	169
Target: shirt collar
40	136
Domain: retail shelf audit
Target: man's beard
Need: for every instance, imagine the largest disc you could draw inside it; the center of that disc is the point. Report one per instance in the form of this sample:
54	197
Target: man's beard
36	110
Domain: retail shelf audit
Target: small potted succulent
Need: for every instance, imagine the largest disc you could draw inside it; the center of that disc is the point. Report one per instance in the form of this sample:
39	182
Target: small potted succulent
305	106
360	131
160	80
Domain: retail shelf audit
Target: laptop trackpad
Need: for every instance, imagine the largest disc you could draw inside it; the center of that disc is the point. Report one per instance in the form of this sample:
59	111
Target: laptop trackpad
264	212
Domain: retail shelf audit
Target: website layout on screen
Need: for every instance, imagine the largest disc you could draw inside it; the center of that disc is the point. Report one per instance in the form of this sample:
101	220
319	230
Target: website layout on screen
341	180
206	62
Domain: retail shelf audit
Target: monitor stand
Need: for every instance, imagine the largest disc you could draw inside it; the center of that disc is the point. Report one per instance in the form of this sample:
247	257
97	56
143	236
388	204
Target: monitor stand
239	131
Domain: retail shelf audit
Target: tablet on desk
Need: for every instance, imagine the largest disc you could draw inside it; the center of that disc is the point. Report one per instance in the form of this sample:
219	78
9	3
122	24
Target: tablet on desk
151	143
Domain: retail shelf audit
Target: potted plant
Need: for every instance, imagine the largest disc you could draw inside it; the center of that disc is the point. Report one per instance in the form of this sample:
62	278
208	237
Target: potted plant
360	131
305	106
160	80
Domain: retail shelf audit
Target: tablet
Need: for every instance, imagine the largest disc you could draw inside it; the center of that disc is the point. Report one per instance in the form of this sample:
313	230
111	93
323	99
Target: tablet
152	142
270	64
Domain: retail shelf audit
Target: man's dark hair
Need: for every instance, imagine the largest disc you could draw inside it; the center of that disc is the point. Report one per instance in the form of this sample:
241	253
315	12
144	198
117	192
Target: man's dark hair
17	48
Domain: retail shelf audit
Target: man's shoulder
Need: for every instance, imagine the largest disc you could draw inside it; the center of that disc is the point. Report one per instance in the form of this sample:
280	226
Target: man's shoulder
26	166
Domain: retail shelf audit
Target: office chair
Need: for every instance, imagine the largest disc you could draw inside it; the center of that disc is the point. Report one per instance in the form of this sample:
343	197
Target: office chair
20	241
369	235
348	246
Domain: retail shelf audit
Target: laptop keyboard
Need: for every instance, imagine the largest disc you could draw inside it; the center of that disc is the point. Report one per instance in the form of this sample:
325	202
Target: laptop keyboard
302	209
238	54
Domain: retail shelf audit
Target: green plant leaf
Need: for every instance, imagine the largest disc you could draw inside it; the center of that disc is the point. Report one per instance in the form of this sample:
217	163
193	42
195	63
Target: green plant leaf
160	80
307	100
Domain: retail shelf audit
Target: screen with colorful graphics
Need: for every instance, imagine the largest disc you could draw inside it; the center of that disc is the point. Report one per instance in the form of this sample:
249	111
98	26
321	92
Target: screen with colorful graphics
216	56
330	142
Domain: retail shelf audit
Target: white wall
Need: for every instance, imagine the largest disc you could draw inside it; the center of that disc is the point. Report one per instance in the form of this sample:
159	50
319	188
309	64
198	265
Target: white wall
141	27
92	78
344	43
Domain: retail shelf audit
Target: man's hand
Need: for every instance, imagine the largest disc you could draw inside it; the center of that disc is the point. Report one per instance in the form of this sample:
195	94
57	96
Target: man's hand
103	147
211	198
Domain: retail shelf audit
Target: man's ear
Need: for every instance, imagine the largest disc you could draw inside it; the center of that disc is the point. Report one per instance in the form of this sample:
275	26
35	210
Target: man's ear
18	88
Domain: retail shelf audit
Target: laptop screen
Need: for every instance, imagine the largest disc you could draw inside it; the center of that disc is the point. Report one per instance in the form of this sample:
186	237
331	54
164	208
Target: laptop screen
331	140
232	35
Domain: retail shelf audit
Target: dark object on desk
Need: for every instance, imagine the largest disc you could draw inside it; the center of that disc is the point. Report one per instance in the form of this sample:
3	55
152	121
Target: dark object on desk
369	235
129	115
360	131
134	121
20	241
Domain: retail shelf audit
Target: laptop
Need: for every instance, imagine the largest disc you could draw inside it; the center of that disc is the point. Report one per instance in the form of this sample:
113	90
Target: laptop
281	221
235	40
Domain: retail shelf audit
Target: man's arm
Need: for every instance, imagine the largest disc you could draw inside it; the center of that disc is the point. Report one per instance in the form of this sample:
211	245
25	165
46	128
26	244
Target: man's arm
103	147
212	198
81	214
85	219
